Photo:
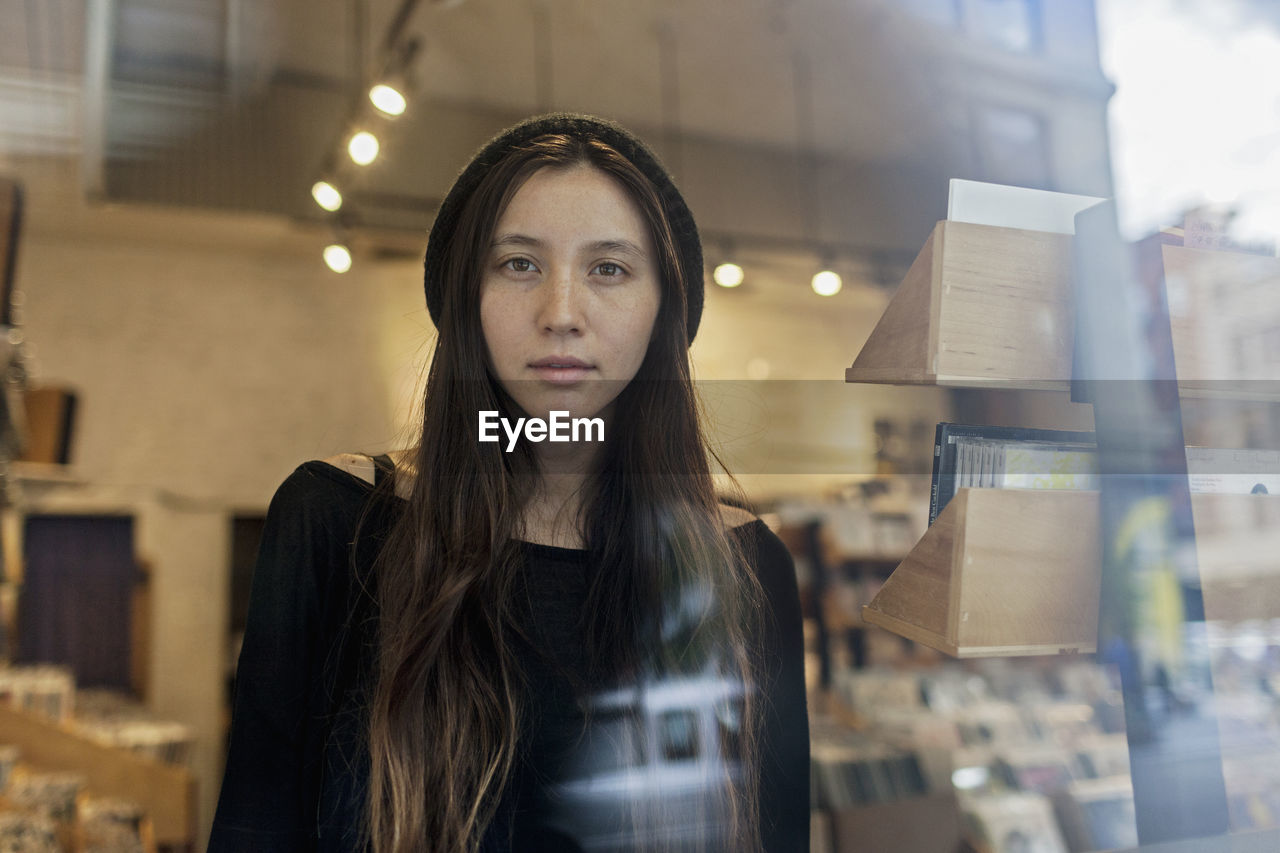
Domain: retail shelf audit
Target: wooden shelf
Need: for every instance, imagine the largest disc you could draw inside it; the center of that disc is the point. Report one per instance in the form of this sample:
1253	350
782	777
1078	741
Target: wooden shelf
166	793
45	474
1238	553
843	557
1013	572
1000	572
72	836
980	305
1005	572
990	307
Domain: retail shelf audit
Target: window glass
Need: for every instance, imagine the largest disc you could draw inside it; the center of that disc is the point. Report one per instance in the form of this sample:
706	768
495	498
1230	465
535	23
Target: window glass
679	733
729	726
944	13
1013	147
610	744
1010	24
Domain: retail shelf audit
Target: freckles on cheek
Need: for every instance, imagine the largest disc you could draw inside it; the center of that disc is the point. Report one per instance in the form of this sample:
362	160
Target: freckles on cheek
490	334
492	318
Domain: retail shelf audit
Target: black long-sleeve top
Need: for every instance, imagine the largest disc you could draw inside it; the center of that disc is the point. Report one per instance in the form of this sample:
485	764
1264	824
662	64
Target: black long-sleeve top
297	766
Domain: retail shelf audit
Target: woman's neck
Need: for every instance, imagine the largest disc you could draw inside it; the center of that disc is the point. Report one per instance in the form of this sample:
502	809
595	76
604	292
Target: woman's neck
553	515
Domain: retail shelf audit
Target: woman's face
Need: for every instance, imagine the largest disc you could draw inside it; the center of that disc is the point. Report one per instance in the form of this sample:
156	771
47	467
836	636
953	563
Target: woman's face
569	292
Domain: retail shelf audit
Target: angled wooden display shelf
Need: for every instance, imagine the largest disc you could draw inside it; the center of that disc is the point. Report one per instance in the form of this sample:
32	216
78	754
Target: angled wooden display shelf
166	793
981	305
991	307
1238	553
1008	572
1000	572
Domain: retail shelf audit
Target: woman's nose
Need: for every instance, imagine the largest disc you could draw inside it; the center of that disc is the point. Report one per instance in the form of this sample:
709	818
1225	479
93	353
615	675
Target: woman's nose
561	309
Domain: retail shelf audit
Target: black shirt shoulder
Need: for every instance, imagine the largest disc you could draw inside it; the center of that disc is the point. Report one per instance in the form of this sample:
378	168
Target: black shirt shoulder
784	789
300	601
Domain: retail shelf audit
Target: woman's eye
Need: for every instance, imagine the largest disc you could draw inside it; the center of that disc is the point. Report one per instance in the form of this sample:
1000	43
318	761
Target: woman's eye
520	265
609	269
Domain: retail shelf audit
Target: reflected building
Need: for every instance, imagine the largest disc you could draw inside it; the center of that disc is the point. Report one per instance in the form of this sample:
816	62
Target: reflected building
650	767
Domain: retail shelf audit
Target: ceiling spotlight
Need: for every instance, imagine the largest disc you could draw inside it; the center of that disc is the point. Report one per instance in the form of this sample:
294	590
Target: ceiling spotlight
827	283
388	99
363	148
728	275
326	195
759	368
337	257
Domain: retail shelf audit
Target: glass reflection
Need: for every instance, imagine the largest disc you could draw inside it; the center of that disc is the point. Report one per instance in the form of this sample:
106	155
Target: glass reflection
650	768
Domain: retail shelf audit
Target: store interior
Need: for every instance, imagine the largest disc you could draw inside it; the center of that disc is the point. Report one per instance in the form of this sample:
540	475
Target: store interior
179	342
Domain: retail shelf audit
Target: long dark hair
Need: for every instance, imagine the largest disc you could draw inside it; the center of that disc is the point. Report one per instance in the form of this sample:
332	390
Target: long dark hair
444	716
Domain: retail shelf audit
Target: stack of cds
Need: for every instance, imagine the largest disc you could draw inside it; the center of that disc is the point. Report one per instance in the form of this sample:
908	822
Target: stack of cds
117	721
9	755
867	691
96	703
849	769
27	833
46	690
111	826
166	742
1035	759
1098	814
1014	821
50	794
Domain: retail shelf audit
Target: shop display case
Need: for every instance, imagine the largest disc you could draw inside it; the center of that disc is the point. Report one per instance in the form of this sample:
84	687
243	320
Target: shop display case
992	307
1011	572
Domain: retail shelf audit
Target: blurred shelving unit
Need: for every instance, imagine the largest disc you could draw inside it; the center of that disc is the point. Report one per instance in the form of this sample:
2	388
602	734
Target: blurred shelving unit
166	793
1018	572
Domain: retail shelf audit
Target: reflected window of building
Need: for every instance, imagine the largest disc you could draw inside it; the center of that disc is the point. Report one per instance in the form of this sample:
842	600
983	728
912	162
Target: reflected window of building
147	33
679	733
1012	146
1271	345
729	727
611	744
943	13
1010	24
1013	25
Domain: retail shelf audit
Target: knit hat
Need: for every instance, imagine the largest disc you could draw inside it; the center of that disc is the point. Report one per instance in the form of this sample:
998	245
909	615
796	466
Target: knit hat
688	245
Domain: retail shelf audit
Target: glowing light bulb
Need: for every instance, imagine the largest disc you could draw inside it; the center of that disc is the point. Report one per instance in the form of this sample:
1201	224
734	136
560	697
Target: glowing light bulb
326	195
337	257
363	148
827	283
388	99
728	275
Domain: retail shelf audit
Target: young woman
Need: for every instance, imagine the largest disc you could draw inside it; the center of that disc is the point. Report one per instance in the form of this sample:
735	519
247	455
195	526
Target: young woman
527	643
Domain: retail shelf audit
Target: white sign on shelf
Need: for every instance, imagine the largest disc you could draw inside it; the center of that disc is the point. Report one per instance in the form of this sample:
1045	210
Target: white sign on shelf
1015	207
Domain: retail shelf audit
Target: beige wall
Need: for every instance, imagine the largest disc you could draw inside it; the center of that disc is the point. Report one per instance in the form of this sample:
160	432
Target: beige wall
211	356
211	371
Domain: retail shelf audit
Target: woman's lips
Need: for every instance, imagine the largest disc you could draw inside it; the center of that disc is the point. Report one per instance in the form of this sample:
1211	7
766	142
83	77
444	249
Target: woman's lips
561	371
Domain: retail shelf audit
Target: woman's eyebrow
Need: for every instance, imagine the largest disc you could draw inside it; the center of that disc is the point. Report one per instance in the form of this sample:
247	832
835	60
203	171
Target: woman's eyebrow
516	240
619	245
624	247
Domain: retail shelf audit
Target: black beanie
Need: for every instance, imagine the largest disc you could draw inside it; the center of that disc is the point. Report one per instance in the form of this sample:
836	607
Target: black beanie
688	245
